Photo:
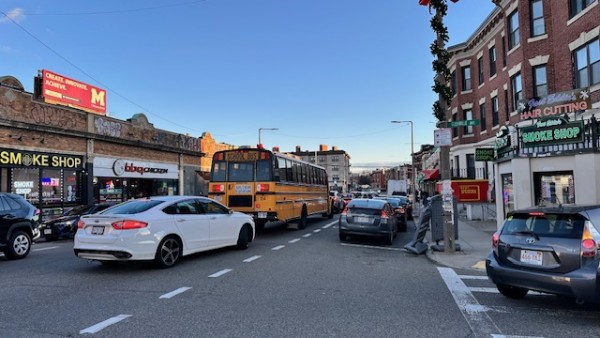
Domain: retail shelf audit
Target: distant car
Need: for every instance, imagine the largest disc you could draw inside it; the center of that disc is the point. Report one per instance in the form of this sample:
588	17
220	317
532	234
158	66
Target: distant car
161	229
19	225
66	225
548	249
347	198
399	212
337	203
404	201
368	217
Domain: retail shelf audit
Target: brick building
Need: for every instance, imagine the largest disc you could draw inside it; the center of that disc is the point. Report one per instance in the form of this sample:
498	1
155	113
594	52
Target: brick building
530	74
58	157
335	161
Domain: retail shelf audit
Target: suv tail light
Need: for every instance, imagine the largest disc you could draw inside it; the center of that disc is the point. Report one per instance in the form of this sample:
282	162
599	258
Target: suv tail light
495	239
384	216
129	224
590	240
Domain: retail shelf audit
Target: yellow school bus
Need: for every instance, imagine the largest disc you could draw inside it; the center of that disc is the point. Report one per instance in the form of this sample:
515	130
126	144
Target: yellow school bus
270	186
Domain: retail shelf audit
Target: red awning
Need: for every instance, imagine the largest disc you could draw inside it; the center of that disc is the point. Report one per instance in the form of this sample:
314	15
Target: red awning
430	174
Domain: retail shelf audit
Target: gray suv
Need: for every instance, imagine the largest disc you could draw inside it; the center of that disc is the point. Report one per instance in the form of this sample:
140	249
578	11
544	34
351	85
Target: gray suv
548	249
19	225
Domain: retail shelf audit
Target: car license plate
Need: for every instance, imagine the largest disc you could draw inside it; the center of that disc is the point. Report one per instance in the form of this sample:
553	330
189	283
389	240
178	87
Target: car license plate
242	189
531	257
47	231
262	215
362	220
97	230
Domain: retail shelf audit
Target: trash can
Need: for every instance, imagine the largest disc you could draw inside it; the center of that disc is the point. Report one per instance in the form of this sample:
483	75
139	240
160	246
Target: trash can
437	218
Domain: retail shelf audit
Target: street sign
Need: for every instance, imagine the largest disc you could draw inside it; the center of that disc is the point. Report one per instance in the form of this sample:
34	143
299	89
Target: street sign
442	137
484	154
465	123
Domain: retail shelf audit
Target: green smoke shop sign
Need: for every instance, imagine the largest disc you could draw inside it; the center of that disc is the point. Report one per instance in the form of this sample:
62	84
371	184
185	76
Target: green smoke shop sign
550	131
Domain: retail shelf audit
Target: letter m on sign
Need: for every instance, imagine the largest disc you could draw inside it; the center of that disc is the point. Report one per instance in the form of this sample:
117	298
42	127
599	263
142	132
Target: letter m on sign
99	97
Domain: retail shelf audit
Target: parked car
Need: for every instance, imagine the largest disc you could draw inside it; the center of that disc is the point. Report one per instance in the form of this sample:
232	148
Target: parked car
347	198
66	225
399	212
161	229
337	204
368	217
19	225
548	249
405	201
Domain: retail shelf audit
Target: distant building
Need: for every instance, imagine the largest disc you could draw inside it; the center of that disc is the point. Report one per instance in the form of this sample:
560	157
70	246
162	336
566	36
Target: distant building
335	161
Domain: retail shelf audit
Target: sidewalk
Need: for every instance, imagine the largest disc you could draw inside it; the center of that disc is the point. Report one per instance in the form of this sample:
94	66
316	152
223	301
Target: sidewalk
475	240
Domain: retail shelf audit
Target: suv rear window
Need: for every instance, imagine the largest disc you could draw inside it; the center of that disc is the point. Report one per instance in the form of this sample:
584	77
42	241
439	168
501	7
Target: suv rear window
547	225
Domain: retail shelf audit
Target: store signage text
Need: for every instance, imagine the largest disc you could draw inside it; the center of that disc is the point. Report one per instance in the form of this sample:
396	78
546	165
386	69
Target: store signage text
33	159
555	104
131	168
60	89
552	131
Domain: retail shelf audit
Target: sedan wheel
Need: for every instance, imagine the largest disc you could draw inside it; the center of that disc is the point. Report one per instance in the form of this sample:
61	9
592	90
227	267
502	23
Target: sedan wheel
243	238
19	245
168	252
511	291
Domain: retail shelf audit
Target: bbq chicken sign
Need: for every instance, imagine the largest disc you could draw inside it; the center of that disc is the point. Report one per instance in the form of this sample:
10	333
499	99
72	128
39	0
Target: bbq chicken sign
58	89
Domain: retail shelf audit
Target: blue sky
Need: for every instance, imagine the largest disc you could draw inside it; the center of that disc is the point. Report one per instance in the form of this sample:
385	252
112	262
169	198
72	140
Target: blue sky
332	72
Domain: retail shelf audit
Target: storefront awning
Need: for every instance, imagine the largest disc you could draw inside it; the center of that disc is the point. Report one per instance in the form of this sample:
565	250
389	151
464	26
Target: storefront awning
431	174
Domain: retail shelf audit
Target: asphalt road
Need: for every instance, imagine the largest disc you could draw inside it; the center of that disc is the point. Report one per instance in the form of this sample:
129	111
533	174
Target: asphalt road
288	283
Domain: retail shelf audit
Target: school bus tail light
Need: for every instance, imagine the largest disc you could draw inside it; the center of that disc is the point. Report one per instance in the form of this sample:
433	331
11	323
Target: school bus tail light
262	188
218	188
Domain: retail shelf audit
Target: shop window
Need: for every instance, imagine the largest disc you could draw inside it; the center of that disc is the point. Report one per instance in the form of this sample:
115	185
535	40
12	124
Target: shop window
554	188
110	190
25	183
508	198
71	187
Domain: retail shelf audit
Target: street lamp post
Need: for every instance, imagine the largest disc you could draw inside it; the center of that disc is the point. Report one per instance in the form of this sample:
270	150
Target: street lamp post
412	162
261	129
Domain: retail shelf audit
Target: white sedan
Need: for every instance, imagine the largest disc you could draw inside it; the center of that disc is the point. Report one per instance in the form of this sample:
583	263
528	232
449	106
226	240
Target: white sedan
162	229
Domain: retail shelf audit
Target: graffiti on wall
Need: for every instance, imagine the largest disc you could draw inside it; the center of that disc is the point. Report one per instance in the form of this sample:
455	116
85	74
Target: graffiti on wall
108	128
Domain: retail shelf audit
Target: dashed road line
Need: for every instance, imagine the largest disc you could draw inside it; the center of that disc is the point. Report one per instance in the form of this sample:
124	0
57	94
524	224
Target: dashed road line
44	249
279	247
294	240
373	247
317	230
174	293
220	273
486	290
475	314
307	235
472	277
329	225
253	258
102	325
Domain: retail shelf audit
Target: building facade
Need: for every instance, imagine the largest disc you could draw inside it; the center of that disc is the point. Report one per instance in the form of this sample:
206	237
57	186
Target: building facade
335	161
58	157
530	76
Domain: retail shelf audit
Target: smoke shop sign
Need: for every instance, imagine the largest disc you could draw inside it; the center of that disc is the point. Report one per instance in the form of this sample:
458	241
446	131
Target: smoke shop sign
555	104
550	131
18	158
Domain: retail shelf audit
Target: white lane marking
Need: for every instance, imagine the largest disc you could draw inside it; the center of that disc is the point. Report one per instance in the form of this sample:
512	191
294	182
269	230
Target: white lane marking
102	325
306	236
174	293
253	258
48	248
511	336
317	230
472	277
373	247
478	320
294	240
279	247
329	225
487	290
220	273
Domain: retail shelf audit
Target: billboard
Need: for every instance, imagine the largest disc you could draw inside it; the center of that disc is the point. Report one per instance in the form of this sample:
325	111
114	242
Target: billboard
58	89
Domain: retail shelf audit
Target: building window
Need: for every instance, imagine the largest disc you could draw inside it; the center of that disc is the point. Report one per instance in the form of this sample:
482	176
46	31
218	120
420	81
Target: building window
453	83
506	108
554	188
503	51
517	89
454	129
495	111
508	198
456	166
492	61
480	68
513	30
587	65
467	115
537	18
577	6
335	158
540	82
466	78
471	166
482	117
335	168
